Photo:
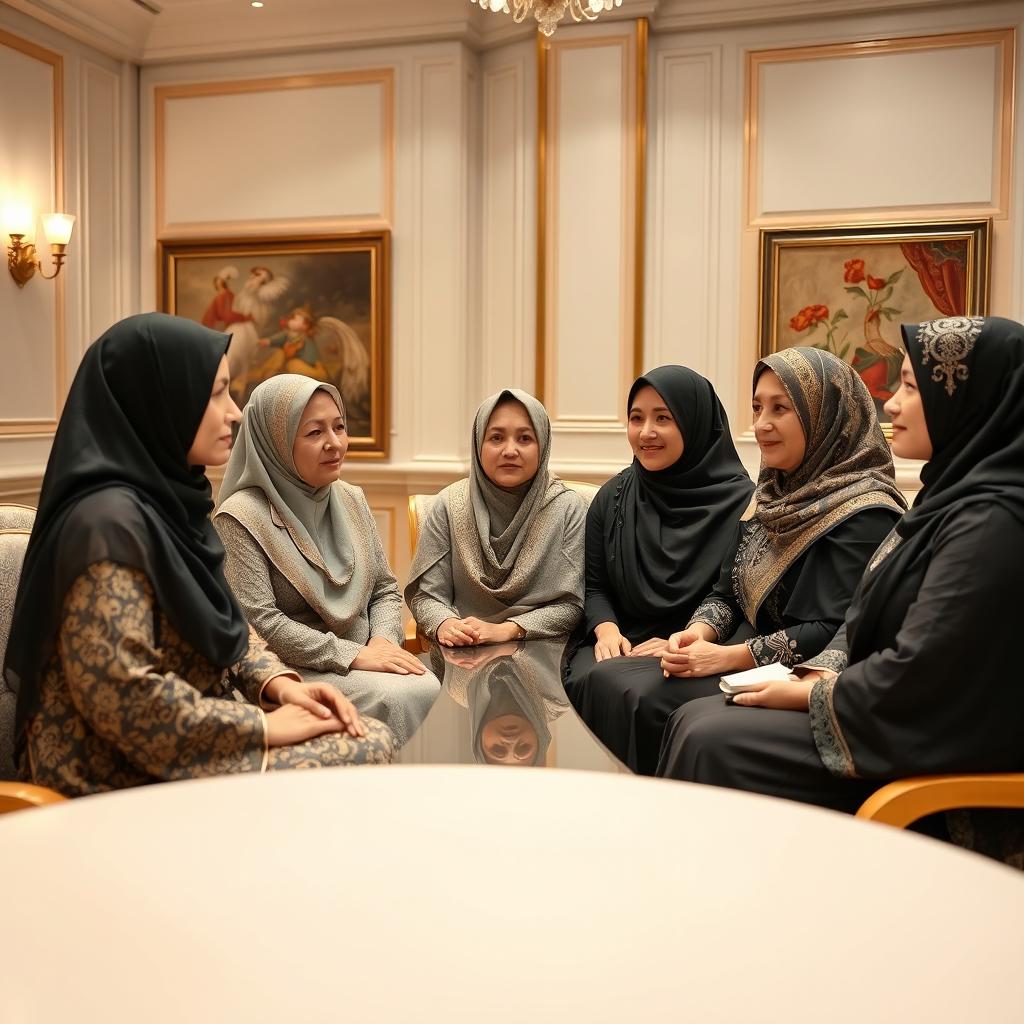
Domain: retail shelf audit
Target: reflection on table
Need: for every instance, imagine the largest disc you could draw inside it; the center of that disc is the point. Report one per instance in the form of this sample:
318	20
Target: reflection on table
503	704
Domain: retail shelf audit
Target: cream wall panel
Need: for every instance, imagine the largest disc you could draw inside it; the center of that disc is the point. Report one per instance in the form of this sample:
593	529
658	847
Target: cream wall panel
437	345
685	236
857	132
589	298
31	173
282	154
100	227
507	323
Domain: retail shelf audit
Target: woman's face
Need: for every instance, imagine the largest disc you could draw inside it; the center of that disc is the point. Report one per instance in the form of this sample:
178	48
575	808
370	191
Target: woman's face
509	739
321	441
212	443
654	435
910	438
510	453
779	432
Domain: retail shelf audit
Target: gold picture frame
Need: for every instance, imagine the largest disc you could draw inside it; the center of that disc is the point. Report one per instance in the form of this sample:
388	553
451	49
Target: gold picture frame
318	306
847	289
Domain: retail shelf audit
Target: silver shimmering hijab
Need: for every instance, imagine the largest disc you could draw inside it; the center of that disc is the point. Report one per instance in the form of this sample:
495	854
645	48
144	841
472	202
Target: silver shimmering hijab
504	544
315	542
847	467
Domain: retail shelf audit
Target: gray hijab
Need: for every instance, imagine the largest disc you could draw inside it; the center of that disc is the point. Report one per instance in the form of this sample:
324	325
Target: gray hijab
314	518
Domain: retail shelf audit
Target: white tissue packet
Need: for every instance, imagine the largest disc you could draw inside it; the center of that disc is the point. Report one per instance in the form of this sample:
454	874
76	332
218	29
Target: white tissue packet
740	682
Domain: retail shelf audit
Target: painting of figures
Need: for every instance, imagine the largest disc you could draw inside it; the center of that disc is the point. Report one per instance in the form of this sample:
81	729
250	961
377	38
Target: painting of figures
316	307
848	290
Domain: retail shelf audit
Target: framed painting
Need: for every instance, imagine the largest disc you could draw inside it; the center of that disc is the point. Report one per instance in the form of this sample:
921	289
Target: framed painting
847	290
313	306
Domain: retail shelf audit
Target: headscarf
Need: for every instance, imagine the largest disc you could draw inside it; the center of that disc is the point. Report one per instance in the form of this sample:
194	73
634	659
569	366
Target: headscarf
118	487
847	467
669	530
501	541
315	550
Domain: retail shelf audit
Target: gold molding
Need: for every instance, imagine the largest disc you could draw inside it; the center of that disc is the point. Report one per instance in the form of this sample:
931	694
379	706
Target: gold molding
636	49
46	426
385	77
1005	39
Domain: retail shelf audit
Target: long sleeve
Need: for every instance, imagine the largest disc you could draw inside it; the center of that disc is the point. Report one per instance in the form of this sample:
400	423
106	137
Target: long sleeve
944	696
161	723
720	609
560	617
598	605
248	574
816	600
434	598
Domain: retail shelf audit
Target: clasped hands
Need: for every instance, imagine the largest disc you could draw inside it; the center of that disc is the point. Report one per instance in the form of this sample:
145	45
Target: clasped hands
470	631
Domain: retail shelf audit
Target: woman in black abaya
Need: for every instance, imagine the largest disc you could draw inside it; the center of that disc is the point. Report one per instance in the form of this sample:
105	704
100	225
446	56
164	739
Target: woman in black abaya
920	679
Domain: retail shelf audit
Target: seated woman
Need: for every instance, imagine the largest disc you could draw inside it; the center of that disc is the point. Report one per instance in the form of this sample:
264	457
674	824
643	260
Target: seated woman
501	553
826	497
897	692
657	533
304	557
126	640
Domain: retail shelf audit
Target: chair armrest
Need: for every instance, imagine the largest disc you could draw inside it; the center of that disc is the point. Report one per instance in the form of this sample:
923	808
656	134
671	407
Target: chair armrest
904	802
415	642
16	796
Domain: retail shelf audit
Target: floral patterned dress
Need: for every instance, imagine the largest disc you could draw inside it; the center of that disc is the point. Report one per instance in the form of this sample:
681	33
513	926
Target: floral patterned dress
126	701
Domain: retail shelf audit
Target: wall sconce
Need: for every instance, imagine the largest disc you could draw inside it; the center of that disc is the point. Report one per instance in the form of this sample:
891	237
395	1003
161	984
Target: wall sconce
22	260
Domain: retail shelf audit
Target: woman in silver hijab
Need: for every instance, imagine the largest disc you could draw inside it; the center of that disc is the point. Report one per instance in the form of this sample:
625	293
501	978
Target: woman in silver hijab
501	553
305	560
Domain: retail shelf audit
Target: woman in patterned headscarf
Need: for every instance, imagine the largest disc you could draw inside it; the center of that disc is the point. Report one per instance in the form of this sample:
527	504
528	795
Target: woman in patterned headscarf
501	553
825	498
920	679
305	560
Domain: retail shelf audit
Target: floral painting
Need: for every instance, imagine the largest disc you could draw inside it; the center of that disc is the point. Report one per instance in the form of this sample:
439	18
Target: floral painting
316	307
848	290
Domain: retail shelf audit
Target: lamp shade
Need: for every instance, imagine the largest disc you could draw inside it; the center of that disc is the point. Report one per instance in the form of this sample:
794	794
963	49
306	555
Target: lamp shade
58	228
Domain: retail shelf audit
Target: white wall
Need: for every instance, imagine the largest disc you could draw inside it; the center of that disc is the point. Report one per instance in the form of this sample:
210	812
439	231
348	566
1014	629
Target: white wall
72	146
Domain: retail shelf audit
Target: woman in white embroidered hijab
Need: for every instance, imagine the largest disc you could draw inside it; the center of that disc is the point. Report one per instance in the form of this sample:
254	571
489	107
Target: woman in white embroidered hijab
305	560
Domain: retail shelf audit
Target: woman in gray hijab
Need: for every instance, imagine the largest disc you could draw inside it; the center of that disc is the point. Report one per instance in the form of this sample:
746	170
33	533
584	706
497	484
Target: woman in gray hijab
500	556
305	560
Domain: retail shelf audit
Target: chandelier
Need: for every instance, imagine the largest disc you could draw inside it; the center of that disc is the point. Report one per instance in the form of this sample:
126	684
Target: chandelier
549	12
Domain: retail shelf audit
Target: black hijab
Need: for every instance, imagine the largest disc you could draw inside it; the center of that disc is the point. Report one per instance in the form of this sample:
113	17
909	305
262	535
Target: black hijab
970	374
118	487
670	529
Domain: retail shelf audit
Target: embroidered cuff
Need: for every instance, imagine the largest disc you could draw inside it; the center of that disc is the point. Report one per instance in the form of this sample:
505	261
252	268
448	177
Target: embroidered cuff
717	614
266	741
775	647
828	737
829	661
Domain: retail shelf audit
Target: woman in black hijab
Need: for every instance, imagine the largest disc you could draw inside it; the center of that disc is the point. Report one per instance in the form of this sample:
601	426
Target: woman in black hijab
126	639
921	678
657	533
826	496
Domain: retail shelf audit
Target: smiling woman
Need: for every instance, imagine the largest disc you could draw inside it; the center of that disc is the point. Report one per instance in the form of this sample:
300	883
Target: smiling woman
501	554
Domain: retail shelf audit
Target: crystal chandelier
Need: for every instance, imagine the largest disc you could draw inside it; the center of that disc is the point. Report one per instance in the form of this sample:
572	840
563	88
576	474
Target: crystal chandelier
549	12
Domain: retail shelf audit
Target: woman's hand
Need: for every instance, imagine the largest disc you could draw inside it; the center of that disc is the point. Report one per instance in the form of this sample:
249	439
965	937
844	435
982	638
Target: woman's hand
689	655
792	695
383	655
322	700
653	648
610	642
492	632
291	724
456	633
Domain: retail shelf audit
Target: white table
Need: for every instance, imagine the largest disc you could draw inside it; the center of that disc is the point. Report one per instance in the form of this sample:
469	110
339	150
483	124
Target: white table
479	893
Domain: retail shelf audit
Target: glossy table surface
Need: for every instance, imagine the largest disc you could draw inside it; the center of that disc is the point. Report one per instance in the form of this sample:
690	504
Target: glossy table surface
504	705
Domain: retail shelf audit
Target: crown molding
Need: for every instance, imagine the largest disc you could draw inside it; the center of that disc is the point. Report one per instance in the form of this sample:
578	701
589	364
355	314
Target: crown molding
186	30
